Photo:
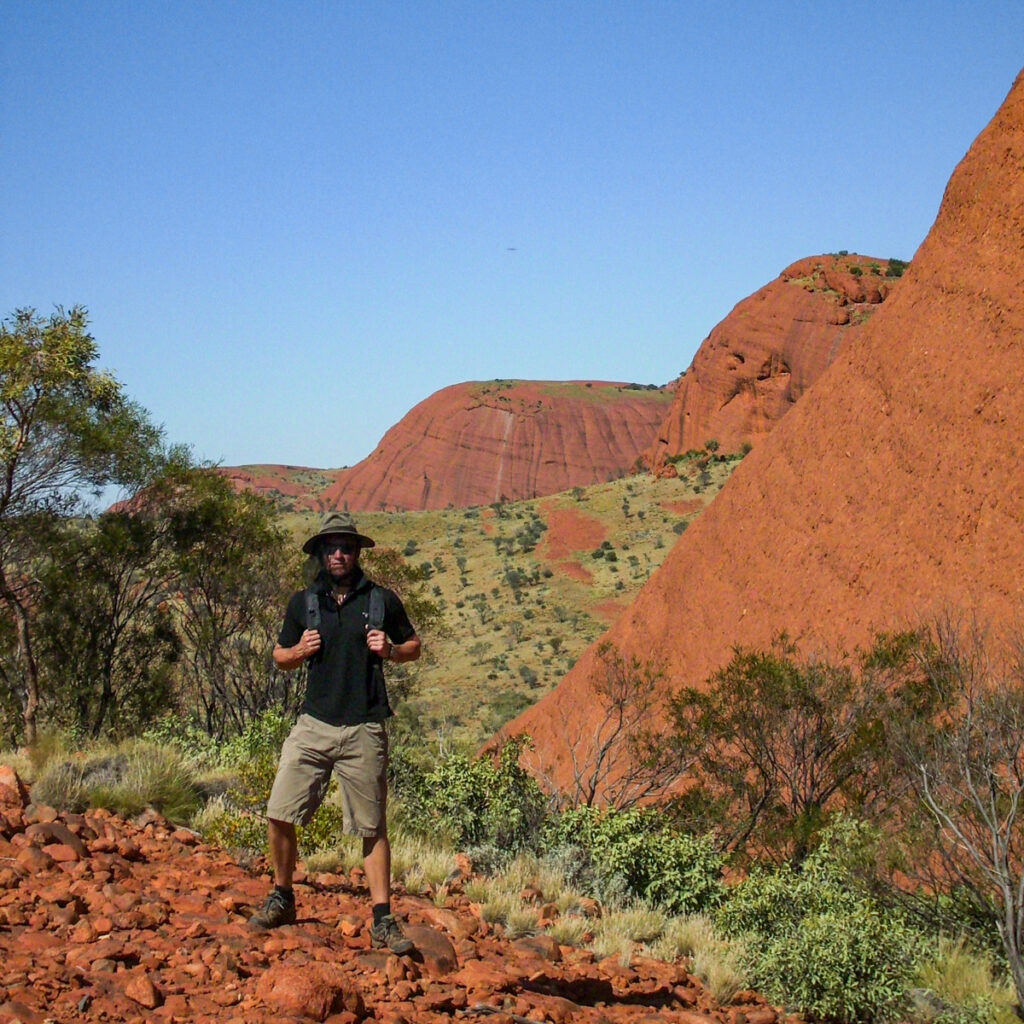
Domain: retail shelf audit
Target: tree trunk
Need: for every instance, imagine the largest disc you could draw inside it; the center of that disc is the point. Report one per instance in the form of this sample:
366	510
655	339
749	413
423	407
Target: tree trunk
30	704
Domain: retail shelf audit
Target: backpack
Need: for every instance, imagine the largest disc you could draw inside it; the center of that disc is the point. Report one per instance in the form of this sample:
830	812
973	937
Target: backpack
374	618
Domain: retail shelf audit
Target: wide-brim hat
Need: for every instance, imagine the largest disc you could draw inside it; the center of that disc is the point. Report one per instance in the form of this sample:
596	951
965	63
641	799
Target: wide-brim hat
336	523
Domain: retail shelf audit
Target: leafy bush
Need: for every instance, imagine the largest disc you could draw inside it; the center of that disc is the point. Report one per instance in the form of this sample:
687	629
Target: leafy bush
819	939
634	854
476	801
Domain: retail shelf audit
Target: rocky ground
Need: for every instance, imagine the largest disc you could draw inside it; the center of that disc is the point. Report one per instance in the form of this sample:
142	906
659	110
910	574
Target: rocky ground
107	920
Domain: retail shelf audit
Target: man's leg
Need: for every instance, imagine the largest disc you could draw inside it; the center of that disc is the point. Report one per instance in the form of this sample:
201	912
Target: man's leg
377	864
284	851
280	905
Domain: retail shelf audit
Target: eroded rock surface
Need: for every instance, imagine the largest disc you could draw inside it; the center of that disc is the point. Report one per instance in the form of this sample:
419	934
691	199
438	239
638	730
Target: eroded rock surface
767	352
477	443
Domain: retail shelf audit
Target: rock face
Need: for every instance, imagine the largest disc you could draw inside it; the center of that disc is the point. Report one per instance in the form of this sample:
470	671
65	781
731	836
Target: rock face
476	443
893	489
107	920
768	351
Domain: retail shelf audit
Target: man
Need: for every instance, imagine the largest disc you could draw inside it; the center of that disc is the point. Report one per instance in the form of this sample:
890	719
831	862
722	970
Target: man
341	728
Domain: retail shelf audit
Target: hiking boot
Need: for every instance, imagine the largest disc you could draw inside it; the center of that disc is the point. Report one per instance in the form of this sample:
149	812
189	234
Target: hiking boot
276	911
388	932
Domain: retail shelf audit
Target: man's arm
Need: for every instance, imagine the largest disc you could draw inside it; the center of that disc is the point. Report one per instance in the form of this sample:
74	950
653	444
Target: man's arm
407	650
287	658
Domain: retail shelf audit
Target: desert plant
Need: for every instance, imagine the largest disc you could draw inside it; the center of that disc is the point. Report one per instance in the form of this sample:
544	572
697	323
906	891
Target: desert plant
480	800
637	854
569	930
521	921
966	764
817	938
782	740
957	984
719	966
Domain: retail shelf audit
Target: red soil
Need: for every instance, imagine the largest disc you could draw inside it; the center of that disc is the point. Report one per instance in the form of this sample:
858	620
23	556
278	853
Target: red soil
570	530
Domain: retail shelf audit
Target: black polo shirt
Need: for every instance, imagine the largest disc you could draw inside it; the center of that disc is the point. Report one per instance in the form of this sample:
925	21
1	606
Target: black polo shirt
345	680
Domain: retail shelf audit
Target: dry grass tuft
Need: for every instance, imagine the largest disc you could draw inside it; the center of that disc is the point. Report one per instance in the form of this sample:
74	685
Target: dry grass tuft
684	937
718	967
568	931
958	976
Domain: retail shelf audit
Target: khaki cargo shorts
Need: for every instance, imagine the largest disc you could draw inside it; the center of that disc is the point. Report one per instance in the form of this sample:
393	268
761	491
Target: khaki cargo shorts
358	756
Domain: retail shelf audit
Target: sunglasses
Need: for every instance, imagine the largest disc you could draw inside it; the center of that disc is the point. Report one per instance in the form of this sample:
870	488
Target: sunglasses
346	547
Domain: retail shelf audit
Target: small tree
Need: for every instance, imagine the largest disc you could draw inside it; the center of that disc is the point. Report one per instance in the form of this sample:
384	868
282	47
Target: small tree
67	430
105	635
777	741
230	566
624	752
967	766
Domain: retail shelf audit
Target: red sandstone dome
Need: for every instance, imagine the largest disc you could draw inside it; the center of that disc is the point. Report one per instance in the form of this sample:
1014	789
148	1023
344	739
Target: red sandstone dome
481	442
893	489
768	351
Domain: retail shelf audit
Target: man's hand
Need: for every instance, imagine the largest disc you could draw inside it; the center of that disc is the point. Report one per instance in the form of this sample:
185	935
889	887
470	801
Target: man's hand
308	645
377	641
287	658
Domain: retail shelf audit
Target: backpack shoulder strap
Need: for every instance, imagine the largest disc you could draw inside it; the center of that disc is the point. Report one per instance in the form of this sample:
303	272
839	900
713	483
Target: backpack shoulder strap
375	616
312	609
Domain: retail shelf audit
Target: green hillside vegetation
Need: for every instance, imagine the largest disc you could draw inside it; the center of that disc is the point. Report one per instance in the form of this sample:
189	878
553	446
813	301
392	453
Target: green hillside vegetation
515	616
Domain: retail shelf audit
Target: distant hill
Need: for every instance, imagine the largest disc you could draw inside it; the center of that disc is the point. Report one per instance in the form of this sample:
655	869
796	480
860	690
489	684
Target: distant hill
768	351
481	442
894	488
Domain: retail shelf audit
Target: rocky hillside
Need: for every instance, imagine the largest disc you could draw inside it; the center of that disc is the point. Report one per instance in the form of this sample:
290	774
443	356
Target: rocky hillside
768	351
107	920
476	443
893	489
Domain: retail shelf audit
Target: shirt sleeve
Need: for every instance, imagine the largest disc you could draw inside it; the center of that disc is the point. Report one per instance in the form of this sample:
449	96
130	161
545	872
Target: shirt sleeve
396	623
294	621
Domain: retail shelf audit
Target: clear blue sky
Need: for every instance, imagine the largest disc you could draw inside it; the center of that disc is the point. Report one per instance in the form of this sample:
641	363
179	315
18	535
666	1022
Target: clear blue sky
293	221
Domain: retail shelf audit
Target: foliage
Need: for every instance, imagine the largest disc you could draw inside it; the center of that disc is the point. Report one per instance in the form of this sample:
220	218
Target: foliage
777	742
67	431
896	267
230	571
169	600
818	937
105	638
479	800
966	764
635	854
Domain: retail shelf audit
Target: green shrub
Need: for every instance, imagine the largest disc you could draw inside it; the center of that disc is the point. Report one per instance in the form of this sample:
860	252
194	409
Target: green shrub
818	938
477	801
635	854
